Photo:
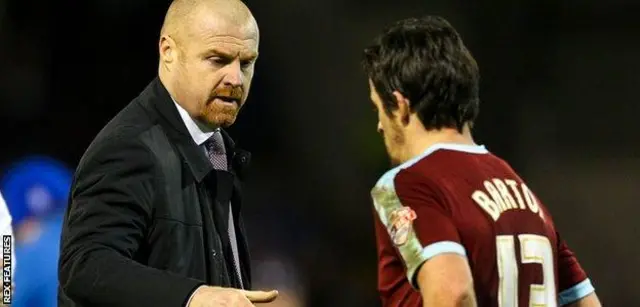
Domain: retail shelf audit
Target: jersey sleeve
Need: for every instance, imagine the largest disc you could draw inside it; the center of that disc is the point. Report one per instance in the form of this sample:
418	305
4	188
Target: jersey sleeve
418	224
572	279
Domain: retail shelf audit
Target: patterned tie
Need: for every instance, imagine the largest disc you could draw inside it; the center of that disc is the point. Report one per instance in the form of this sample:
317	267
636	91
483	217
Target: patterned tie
218	157
216	151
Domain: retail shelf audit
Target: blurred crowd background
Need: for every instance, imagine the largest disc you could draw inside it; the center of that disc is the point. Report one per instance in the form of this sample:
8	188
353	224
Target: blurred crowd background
559	93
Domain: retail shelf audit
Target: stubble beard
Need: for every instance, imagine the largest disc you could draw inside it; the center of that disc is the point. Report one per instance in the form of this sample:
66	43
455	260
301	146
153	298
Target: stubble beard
394	142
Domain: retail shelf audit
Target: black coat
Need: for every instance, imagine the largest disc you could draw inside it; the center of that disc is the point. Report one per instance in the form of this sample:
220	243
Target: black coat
147	217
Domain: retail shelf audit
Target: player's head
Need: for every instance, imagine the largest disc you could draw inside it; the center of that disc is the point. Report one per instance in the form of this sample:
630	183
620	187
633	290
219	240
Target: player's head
208	50
421	78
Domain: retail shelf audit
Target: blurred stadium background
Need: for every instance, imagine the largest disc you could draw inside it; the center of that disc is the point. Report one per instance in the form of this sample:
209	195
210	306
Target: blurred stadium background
559	89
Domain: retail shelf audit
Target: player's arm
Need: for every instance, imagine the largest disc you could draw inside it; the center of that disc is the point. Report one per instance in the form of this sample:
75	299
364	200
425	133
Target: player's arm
421	228
575	289
590	300
445	280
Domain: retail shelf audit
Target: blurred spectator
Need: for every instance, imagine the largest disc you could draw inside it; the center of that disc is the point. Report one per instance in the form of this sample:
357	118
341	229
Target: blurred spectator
36	191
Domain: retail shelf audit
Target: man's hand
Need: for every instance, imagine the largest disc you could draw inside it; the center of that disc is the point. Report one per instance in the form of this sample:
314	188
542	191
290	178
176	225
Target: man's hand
207	296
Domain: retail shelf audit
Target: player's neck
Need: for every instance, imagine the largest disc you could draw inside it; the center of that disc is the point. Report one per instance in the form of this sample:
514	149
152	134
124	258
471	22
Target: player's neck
420	139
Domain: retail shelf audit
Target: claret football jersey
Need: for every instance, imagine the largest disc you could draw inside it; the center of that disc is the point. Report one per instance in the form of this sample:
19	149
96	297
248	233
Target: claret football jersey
462	199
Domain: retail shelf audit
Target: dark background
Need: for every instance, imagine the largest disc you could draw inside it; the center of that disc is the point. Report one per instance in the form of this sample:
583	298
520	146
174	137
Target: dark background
559	101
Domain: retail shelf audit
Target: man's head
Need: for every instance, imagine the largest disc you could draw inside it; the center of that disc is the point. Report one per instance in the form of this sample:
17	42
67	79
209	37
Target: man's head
421	78
208	50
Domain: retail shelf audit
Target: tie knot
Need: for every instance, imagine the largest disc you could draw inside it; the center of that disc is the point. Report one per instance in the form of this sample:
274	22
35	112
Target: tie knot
215	144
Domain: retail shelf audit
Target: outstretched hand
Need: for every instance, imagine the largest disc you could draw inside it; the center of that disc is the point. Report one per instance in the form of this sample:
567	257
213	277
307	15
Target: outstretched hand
207	296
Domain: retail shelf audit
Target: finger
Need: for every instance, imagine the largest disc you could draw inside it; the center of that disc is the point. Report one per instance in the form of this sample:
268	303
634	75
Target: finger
260	296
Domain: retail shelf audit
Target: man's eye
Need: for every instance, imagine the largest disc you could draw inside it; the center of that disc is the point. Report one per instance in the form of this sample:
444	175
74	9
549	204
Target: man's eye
218	60
246	64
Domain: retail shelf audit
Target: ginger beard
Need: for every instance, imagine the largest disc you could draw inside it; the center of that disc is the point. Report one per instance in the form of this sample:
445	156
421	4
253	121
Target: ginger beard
223	107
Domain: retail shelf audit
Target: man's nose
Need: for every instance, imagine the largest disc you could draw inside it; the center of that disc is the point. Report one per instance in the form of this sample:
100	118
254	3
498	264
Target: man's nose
233	75
379	127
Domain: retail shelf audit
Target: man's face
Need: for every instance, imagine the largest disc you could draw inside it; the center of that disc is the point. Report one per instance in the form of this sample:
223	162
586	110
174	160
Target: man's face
390	128
214	67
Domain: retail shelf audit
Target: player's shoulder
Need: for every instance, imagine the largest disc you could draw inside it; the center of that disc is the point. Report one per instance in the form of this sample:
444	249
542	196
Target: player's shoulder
419	177
431	163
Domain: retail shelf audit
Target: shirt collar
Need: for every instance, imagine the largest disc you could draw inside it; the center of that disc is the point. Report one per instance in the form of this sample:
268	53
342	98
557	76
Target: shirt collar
199	132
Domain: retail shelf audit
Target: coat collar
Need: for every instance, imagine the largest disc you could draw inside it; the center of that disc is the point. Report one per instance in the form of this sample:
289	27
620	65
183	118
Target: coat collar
156	97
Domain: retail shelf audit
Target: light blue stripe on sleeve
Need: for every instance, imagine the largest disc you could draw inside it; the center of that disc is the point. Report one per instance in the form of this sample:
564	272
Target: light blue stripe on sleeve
576	292
431	251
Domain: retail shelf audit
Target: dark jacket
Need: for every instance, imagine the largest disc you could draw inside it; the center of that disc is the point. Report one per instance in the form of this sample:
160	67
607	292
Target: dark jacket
146	220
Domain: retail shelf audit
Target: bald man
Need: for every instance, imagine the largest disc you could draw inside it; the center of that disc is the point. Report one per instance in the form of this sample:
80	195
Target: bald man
154	217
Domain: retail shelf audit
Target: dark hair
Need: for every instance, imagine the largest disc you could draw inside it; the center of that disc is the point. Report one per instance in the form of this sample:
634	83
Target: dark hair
426	61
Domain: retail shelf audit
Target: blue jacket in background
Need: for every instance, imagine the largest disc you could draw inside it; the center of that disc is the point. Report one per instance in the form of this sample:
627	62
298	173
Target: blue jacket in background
36	274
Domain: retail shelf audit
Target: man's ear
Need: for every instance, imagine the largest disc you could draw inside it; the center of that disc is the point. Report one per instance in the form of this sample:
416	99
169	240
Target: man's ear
404	107
167	48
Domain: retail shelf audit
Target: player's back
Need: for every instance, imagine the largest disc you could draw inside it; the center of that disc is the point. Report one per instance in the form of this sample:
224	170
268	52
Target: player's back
465	200
506	231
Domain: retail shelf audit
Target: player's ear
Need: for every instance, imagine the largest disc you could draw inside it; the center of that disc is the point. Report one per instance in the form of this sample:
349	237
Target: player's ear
404	107
167	49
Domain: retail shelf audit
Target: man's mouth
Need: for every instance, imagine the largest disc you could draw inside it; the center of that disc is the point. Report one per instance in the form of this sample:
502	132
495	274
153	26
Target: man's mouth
228	99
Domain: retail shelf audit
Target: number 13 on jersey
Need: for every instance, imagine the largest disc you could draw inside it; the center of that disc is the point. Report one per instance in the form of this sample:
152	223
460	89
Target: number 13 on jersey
534	249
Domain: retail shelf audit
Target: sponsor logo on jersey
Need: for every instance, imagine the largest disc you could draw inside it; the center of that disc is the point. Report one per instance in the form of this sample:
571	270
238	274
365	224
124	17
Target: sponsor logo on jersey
401	221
